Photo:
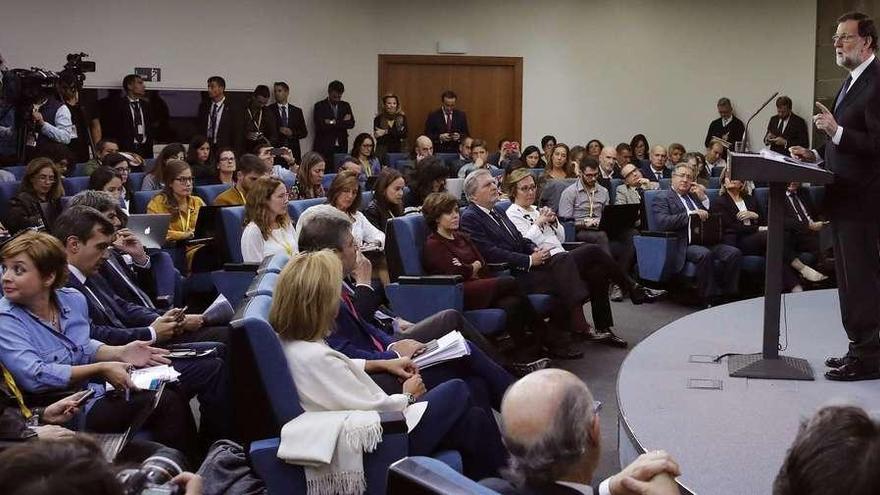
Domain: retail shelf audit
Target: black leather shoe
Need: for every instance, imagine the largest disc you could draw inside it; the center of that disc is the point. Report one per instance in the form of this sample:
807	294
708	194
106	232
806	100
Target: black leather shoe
837	362
854	371
563	352
593	336
614	341
640	294
520	370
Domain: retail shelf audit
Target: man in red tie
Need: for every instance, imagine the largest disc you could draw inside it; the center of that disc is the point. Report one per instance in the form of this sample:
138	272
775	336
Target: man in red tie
447	126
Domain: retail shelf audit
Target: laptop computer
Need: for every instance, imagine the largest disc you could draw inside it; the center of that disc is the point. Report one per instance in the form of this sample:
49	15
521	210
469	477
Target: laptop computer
616	218
150	229
111	444
208	223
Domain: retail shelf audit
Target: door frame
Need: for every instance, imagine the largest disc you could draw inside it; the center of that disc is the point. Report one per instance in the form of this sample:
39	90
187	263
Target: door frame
385	61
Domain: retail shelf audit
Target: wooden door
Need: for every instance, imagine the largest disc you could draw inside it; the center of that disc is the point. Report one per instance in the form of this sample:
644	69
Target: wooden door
489	91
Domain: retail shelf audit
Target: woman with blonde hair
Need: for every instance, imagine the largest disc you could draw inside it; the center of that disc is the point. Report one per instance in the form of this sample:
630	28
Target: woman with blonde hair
389	126
268	229
304	308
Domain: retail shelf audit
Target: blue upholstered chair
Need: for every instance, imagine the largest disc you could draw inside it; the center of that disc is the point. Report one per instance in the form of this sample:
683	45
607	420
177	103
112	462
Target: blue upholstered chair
338	158
209	193
135	179
327	180
416	296
665	183
419	475
232	219
656	250
274	264
73	185
263	285
7	191
141	200
16	170
78	170
263	348
447	157
296	208
394	157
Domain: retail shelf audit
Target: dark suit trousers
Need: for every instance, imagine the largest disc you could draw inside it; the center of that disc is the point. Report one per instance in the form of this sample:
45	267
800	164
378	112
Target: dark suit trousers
208	379
704	258
856	264
625	251
453	422
171	423
439	324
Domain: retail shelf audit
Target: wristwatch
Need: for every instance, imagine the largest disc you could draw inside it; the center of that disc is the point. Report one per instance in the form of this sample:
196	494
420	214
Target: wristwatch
410	398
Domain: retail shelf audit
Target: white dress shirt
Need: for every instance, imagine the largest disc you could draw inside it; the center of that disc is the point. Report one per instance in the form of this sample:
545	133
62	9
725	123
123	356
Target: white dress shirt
254	248
549	237
365	232
63	130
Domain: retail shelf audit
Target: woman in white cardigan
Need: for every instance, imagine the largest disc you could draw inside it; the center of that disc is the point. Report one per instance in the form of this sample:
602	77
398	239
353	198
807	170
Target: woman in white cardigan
268	229
304	307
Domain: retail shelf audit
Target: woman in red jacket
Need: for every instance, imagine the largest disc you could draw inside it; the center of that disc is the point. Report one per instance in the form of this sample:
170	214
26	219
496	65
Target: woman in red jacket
450	252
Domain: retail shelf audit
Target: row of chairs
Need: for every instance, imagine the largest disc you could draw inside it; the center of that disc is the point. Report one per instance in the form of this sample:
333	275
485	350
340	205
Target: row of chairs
72	185
261	361
395	160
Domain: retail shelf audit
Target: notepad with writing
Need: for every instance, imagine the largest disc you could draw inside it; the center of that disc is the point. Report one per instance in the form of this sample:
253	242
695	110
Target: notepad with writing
450	346
150	378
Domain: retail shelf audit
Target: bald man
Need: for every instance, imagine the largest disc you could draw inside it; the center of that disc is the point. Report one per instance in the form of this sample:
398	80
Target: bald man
656	168
552	432
422	148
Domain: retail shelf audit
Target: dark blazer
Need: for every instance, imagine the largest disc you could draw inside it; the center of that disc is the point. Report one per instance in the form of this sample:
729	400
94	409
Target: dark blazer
731	133
139	277
733	227
113	311
795	133
253	123
855	192
377	215
672	216
393	141
496	245
353	336
507	488
435	124
326	134
648	173
117	123
25	212
296	123
791	216
230	129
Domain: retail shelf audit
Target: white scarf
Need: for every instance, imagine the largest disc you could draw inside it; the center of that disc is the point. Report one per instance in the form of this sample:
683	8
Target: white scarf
330	446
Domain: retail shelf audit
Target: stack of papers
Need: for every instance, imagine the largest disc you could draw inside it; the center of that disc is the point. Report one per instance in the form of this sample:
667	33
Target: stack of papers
150	378
450	346
219	312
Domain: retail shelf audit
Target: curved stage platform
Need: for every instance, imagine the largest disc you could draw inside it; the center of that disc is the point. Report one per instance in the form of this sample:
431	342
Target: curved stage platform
730	440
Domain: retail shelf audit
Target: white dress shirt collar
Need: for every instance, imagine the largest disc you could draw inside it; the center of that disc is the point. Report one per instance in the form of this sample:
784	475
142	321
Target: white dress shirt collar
76	273
855	73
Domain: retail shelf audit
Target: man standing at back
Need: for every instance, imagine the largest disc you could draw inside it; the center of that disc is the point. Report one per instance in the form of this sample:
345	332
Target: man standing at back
289	119
852	153
333	118
727	126
447	126
127	120
786	129
221	121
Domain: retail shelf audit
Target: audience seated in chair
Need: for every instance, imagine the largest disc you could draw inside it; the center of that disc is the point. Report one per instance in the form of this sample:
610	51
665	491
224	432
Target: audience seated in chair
429	177
38	200
597	269
153	179
122	164
803	222
656	169
449	251
199	158
345	195
310	177
283	166
225	167
634	185
608	167
715	156
675	209
268	228
464	156
304	307
103	148
584	202
479	160
363	152
250	168
387	201
35	271
105	179
551	428
559	166
359	335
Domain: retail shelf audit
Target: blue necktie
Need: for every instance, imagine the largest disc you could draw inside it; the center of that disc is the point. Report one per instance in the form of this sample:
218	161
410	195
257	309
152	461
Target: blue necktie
842	94
690	203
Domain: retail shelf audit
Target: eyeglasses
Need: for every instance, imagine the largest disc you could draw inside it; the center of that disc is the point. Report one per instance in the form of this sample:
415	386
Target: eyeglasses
46	178
122	170
184	180
228	159
589	174
844	38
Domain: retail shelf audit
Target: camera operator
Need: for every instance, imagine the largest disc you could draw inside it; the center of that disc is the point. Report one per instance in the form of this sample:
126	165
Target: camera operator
76	466
49	121
128	120
7	122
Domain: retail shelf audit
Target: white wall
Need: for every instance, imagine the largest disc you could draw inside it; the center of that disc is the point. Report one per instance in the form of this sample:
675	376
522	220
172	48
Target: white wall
592	68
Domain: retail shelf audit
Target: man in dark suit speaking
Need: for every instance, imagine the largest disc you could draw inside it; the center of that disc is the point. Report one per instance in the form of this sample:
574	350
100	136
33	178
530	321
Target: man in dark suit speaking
852	152
786	129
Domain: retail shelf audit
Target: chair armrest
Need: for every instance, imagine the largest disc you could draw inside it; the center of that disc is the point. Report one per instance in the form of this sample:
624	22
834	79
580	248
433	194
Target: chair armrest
570	246
241	267
416	302
430	280
657	233
201	240
497	267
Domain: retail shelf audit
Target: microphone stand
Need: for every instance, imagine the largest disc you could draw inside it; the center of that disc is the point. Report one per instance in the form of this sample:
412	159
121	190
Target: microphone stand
743	146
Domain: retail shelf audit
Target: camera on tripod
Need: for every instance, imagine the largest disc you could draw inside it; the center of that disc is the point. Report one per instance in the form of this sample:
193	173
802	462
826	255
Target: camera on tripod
23	87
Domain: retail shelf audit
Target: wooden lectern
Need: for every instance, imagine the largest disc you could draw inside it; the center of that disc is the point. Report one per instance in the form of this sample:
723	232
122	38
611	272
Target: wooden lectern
778	173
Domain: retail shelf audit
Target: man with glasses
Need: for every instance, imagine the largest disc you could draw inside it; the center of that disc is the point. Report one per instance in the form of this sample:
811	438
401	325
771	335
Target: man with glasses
583	202
727	126
851	151
675	209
